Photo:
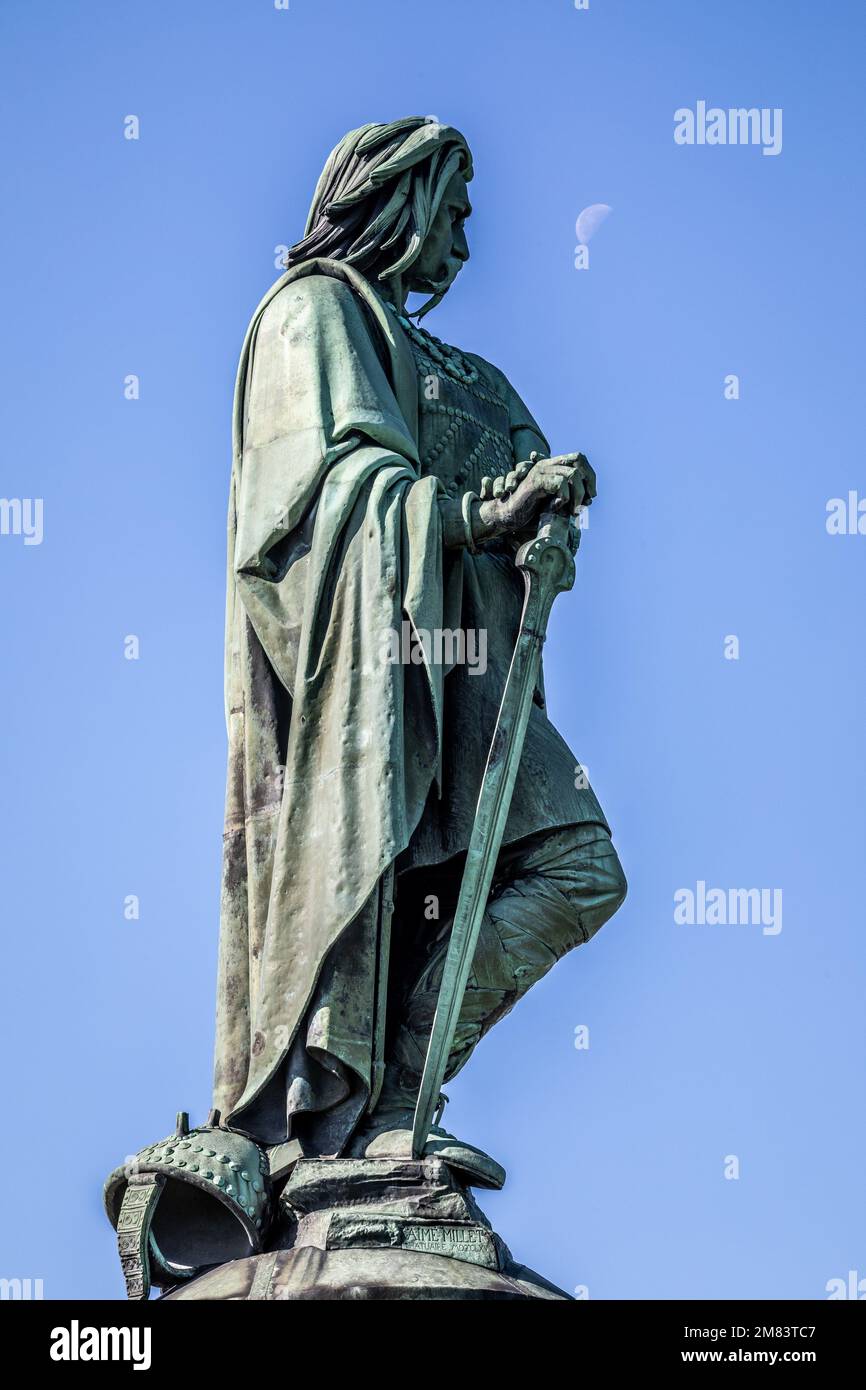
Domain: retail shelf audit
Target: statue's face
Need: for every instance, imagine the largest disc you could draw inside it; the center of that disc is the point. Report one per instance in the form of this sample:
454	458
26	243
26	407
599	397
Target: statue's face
445	247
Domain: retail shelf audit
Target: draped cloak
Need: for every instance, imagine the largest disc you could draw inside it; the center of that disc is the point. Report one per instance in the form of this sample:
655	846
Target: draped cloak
336	762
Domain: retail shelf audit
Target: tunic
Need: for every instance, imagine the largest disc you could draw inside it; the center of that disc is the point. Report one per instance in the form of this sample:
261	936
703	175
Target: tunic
468	430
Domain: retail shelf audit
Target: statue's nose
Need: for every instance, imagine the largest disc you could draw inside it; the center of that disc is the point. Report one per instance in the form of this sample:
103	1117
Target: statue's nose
461	246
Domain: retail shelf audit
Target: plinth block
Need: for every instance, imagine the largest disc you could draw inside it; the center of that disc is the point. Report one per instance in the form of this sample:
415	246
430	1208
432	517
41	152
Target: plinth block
375	1229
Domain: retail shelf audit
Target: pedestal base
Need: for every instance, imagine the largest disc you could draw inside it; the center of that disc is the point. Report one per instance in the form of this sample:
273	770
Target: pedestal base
375	1228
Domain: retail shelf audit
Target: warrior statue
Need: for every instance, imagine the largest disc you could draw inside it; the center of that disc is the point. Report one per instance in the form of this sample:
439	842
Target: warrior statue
383	483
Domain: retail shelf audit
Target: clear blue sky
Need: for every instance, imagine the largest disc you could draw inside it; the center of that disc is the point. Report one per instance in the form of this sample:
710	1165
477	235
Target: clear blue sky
147	257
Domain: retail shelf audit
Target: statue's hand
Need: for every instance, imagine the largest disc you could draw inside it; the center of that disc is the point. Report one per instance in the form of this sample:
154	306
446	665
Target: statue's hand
562	484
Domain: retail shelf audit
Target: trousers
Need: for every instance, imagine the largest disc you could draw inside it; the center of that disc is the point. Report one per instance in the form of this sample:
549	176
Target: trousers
551	892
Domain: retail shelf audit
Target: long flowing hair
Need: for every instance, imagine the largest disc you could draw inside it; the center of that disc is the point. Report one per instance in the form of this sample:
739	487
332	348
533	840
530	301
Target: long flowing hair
378	194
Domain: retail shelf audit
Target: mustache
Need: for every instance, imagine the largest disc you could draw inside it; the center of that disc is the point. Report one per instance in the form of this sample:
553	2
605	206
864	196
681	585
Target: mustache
450	270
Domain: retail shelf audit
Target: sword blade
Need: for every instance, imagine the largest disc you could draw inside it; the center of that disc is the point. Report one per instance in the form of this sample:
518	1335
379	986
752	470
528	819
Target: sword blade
548	568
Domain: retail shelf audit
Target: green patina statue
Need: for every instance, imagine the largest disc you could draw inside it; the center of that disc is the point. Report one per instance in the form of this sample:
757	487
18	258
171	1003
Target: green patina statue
397	532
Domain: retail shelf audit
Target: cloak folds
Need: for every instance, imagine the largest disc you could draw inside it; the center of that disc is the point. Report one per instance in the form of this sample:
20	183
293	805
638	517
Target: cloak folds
334	539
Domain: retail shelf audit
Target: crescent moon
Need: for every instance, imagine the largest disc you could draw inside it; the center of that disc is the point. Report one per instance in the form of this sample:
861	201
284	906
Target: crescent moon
590	220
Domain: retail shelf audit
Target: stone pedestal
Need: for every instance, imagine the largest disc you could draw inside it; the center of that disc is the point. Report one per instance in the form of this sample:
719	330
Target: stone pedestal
375	1228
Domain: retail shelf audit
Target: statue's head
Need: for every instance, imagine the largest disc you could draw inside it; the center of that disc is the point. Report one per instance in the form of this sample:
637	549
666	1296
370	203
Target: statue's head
392	201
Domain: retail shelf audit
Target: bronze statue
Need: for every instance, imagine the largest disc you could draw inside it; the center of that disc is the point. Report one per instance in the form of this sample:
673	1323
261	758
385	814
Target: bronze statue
391	499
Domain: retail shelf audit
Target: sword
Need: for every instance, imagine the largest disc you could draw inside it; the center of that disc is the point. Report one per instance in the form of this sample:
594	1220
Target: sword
547	564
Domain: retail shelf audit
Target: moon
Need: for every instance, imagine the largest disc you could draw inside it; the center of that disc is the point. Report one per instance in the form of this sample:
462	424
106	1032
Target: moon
590	220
